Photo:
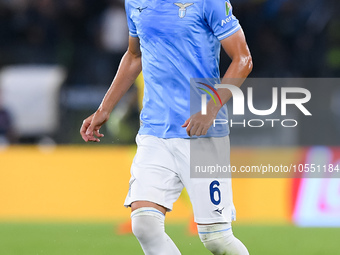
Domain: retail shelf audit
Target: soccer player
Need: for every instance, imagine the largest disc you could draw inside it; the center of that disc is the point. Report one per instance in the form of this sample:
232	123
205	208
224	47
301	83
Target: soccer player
173	42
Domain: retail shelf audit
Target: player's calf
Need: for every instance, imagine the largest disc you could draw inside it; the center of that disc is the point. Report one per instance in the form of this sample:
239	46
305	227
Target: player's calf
219	239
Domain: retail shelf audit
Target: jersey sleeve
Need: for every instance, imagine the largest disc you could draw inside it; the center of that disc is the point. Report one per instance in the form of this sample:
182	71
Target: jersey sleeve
219	16
131	25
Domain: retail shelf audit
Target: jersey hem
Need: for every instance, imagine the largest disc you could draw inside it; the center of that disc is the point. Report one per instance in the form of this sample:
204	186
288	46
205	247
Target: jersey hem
185	136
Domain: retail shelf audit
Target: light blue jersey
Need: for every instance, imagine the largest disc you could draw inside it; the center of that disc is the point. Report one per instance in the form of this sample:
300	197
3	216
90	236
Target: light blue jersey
179	41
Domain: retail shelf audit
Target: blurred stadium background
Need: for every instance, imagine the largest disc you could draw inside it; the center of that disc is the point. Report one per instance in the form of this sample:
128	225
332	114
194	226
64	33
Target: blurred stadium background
61	196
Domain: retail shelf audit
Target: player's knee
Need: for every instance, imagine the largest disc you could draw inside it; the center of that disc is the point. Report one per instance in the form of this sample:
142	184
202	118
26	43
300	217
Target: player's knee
214	237
147	223
226	246
219	239
216	246
139	228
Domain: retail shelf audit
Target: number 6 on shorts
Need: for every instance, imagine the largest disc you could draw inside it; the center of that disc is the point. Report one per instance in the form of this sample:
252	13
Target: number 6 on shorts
215	193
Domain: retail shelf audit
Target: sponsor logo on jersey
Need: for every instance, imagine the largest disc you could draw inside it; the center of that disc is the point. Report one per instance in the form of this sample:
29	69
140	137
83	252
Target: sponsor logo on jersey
228	8
140	9
182	9
225	21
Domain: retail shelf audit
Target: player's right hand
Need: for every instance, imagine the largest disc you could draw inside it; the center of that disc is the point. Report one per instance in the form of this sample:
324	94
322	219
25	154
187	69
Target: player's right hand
89	131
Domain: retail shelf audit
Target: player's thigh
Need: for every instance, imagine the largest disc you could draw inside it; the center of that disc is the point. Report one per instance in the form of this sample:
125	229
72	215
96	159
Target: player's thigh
154	180
210	194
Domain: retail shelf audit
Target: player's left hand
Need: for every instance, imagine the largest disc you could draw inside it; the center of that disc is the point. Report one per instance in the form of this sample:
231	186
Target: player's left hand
198	124
91	125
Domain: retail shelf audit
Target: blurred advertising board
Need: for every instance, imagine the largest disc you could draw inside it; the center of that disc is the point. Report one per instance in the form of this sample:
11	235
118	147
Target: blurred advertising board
317	200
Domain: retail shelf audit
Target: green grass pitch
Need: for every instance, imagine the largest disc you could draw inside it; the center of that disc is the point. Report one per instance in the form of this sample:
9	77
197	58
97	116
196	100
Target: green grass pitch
101	239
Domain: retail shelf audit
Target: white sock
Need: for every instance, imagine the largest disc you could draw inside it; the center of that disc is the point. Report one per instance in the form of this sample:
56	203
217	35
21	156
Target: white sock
148	227
219	239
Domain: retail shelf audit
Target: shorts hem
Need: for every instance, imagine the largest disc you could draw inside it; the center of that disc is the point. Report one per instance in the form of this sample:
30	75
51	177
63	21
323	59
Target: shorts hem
130	201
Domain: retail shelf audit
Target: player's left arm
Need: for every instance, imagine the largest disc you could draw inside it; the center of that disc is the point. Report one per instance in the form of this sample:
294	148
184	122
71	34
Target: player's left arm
237	49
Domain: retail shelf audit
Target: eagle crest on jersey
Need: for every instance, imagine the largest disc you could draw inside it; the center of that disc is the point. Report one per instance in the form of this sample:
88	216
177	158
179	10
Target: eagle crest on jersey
182	9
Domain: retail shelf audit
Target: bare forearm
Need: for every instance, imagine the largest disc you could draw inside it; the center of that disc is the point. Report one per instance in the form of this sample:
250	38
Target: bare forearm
237	49
236	74
129	69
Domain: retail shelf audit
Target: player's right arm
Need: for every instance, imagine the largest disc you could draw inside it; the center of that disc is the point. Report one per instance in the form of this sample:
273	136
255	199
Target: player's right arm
129	68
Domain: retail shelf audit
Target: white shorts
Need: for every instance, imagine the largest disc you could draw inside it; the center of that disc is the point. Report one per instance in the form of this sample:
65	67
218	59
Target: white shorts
161	168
